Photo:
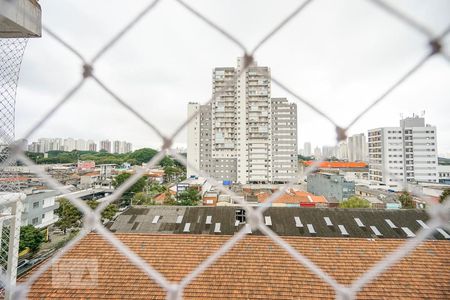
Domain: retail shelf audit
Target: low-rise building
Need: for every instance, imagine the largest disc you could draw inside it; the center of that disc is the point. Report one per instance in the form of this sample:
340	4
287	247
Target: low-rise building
332	186
39	209
443	174
293	198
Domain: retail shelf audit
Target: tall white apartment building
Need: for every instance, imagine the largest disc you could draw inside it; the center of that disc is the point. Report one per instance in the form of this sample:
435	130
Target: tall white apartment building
91	145
81	145
408	153
105	145
69	144
121	147
342	150
307	149
244	135
357	147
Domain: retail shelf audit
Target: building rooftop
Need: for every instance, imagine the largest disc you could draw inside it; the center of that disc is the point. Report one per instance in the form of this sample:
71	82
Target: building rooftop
285	221
337	164
42	196
255	268
292	197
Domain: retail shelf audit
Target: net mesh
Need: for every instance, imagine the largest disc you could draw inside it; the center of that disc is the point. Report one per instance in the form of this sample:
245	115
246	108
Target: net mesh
439	213
11	53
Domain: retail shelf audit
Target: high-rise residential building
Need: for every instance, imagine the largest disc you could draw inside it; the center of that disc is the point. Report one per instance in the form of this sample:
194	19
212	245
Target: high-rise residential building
342	150
44	145
69	144
317	152
116	147
92	146
408	153
328	151
34	147
121	147
307	149
105	145
357	147
128	147
81	145
244	135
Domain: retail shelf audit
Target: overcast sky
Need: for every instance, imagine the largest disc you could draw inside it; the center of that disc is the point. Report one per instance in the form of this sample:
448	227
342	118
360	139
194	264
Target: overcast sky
340	55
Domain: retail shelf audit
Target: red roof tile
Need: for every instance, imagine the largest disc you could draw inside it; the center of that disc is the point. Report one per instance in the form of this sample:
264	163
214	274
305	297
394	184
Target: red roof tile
292	197
337	164
255	268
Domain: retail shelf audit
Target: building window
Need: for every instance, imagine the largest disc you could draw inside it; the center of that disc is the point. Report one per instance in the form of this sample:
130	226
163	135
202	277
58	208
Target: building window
35	221
35	204
240	215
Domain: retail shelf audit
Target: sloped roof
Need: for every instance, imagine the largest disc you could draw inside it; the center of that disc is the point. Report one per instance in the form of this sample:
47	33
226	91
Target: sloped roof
139	220
255	268
292	197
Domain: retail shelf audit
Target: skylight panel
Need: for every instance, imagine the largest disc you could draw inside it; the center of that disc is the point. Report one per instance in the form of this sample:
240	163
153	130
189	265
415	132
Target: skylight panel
390	223
311	228
343	230
445	234
268	220
186	227
328	221
376	231
248	228
298	222
208	220
359	222
155	219
423	224
408	232
217	227
179	219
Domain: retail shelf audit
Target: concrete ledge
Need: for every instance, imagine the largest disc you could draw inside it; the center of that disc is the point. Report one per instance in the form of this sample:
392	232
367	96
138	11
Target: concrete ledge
20	18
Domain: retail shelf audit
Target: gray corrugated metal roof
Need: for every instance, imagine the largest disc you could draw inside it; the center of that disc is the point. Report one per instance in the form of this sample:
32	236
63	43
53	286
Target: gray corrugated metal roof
282	218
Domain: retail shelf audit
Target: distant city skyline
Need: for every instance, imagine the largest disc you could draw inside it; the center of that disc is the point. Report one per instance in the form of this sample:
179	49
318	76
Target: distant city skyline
43	145
338	55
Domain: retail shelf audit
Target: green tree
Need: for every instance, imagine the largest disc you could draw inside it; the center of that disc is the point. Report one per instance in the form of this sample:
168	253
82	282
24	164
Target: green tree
174	173
444	195
30	237
166	162
406	200
143	199
108	213
69	215
355	202
143	155
135	188
189	197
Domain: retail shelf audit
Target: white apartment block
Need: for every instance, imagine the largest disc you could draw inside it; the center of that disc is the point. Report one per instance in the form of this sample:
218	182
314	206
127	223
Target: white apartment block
244	135
307	149
342	150
105	145
408	153
357	147
121	147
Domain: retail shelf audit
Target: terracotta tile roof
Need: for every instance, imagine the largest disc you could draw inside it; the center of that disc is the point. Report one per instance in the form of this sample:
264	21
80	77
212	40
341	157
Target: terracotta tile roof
255	268
336	164
20	178
292	197
91	174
